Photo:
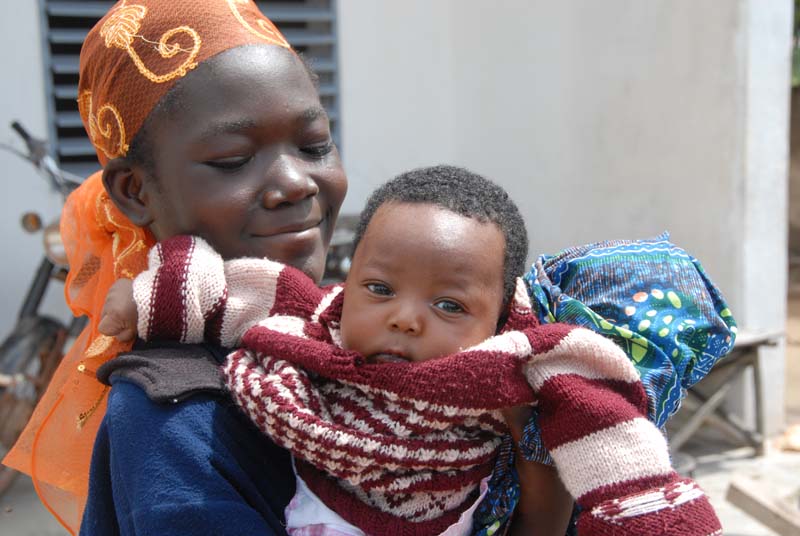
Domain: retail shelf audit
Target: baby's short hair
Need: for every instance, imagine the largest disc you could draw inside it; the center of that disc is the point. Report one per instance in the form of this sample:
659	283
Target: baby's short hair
462	192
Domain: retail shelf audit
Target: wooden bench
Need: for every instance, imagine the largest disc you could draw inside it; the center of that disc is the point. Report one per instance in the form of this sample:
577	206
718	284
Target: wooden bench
704	406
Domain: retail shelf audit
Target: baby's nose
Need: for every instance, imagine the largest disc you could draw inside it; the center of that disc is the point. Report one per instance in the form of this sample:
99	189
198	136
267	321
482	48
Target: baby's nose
406	320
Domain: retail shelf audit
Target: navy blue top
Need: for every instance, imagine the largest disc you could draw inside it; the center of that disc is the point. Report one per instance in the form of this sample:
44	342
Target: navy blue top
193	467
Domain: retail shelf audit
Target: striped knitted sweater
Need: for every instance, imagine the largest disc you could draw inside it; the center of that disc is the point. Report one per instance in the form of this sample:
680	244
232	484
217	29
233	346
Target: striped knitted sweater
400	448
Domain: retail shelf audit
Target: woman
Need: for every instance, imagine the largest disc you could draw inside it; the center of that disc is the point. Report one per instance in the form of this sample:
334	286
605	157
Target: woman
206	123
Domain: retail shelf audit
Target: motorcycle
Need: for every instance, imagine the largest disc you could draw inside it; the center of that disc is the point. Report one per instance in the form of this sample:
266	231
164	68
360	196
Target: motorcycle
31	352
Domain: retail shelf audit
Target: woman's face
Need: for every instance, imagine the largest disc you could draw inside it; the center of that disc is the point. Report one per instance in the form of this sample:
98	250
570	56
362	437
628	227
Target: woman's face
244	159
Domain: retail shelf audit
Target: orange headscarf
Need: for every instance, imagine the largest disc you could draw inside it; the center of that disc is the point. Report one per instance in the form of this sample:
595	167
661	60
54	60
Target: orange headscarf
129	61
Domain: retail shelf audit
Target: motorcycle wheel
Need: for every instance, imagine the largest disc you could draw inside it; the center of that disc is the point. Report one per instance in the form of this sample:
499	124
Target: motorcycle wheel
27	358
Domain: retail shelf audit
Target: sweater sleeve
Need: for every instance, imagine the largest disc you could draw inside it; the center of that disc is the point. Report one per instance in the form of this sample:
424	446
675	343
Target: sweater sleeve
611	458
189	294
182	289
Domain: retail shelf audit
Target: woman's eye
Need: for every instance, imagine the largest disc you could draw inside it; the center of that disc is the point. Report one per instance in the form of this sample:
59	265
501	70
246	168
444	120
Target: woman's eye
319	150
229	164
379	289
449	306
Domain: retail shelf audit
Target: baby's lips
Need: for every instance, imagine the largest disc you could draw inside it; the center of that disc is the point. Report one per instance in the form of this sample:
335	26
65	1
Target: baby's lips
384	358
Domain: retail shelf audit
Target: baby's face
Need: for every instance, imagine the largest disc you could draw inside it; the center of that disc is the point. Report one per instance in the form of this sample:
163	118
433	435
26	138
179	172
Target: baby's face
425	282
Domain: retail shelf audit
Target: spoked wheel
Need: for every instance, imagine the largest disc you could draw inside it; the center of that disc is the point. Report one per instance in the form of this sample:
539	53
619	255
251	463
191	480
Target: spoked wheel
28	358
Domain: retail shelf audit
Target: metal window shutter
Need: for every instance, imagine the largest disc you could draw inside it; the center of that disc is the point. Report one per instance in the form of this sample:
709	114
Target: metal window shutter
309	25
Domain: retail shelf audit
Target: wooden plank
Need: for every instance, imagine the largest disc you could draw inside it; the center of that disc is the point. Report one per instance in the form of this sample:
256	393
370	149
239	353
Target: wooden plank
746	338
755	500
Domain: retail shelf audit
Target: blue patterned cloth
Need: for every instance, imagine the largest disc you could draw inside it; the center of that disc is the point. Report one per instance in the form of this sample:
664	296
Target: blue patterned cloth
650	297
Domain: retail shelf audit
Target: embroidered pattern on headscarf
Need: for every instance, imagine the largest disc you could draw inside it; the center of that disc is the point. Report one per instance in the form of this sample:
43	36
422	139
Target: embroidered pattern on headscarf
123	26
267	31
102	126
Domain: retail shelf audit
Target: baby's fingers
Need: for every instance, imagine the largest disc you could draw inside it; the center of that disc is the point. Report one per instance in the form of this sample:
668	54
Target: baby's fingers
119	316
111	325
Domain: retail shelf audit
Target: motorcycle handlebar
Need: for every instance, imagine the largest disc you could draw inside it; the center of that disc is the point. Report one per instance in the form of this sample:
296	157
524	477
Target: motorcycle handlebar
37	154
19	129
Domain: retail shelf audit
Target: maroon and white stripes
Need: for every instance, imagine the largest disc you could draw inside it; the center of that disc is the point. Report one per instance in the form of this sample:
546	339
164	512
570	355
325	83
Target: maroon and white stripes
612	459
402	447
676	508
182	279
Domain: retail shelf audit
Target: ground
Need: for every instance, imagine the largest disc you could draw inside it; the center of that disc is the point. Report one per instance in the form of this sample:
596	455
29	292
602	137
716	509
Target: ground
718	464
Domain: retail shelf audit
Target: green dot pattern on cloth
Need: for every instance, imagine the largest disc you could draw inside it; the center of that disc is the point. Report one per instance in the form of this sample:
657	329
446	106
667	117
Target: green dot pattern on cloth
649	296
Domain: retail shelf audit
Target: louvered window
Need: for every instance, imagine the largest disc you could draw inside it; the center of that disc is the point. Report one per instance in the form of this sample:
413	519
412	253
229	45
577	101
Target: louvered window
309	25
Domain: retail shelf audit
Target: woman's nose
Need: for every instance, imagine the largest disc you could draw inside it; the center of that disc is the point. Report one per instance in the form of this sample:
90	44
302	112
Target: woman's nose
406	319
287	183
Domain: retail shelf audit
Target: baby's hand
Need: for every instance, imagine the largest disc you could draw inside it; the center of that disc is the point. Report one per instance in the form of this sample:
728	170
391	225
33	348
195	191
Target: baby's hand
544	506
119	317
516	419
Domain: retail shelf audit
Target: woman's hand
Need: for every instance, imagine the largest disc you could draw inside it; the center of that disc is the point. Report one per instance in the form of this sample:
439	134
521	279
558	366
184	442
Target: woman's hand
545	506
119	317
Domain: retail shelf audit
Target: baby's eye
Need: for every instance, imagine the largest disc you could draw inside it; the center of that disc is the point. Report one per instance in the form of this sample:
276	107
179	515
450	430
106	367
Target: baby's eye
379	289
229	164
449	306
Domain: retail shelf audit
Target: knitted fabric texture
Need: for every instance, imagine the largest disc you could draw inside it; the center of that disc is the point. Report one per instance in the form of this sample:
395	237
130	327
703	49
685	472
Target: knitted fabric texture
400	448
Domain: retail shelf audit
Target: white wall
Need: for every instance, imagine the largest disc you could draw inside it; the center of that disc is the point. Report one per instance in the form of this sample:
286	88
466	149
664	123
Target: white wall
619	120
396	88
22	98
615	119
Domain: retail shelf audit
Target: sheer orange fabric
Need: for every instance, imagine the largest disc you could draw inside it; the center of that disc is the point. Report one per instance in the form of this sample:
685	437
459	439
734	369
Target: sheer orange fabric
129	61
55	447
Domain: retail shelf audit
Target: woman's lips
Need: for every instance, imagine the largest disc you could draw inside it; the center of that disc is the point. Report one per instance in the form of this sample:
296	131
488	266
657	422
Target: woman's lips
299	235
291	229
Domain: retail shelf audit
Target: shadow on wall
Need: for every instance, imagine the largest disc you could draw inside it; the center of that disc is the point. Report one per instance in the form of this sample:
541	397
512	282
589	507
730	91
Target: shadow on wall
794	179
794	162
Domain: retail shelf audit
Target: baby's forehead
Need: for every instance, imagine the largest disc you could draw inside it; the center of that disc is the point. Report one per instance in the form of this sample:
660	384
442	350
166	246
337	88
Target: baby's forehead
398	212
422	232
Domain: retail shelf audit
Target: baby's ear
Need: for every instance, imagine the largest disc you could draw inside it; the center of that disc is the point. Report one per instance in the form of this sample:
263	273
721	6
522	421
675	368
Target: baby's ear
127	187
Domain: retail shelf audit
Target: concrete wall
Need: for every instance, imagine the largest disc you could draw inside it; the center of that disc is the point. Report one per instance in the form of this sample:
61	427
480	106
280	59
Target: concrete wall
22	98
396	89
616	119
761	203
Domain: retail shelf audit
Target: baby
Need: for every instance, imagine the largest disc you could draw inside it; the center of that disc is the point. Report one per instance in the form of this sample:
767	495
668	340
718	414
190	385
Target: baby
389	393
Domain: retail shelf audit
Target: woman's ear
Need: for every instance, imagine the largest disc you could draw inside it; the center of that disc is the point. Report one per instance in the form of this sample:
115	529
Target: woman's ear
127	187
